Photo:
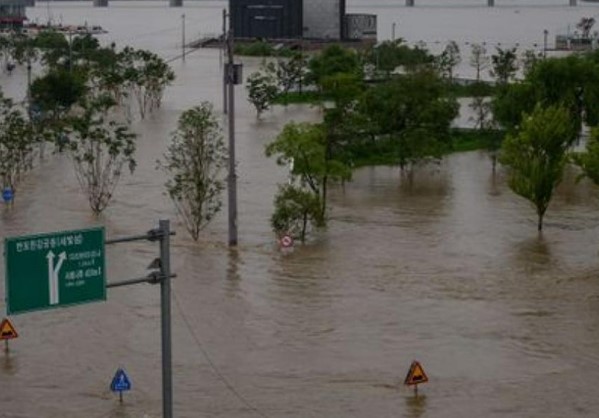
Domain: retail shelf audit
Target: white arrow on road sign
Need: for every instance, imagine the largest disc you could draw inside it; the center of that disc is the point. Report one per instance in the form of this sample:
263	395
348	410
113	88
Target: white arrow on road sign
53	275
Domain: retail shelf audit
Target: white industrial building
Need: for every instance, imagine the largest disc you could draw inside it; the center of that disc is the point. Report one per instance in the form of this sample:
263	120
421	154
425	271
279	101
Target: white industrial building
324	19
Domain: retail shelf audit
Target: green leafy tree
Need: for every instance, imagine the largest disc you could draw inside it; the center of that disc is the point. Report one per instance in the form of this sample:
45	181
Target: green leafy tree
57	91
53	46
342	123
193	163
146	76
24	50
484	123
304	147
585	25
479	60
482	114
571	82
290	72
536	155
296	209
331	61
389	55
16	144
448	60
414	113
5	51
262	90
530	58
106	74
504	65
588	160
100	148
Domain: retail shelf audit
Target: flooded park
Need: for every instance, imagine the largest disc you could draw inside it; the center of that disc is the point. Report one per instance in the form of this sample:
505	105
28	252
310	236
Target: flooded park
449	270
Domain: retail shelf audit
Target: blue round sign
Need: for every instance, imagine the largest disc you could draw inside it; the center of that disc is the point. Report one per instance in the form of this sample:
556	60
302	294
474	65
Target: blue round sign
7	194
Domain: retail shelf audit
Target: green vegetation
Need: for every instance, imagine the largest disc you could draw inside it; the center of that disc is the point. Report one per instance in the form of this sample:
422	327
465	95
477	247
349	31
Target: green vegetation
306	149
193	163
82	104
306	97
405	118
471	90
537	154
383	151
262	90
16	144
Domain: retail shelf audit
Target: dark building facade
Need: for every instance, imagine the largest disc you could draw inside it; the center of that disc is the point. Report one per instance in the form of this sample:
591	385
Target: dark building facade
12	14
269	19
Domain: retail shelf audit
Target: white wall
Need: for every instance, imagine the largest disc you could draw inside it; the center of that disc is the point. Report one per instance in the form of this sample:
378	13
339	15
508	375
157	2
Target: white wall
322	19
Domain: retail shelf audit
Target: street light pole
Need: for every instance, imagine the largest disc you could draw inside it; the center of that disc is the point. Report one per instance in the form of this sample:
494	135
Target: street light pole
225	75
183	35
165	318
70	50
232	178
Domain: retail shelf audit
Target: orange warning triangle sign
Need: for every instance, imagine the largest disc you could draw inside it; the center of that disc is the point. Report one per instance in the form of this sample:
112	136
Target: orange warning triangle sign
7	330
416	375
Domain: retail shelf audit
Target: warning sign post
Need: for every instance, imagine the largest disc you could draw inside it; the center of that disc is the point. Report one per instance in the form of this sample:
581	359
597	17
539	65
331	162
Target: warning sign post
416	375
7	332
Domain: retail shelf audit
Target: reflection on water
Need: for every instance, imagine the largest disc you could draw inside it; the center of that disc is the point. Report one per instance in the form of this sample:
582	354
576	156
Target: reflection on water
9	362
415	406
534	253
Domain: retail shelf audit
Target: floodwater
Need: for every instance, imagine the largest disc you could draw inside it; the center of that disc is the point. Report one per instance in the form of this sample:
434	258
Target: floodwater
449	271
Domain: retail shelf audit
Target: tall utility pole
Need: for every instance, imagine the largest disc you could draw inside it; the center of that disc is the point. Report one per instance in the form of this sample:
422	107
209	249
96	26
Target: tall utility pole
165	315
183	35
224	50
70	50
232	179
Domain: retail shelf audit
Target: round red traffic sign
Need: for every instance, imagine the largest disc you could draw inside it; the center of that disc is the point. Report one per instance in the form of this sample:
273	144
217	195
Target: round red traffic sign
286	241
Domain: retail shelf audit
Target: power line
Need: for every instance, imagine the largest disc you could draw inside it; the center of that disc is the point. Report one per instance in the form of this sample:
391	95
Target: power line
215	369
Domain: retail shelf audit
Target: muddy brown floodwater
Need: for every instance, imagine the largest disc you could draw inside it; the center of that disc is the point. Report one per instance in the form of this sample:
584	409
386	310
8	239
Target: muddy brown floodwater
449	271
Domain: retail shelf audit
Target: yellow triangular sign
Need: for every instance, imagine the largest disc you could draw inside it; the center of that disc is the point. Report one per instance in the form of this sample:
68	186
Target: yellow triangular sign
7	330
416	375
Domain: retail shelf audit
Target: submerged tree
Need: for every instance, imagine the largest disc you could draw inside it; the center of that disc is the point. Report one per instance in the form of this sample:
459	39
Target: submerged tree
100	147
585	25
479	59
262	90
413	113
193	162
57	91
304	147
296	209
536	155
448	60
389	55
588	160
332	61
146	75
504	65
16	144
291	72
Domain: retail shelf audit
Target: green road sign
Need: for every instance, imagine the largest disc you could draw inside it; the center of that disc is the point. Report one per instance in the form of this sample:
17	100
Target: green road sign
54	270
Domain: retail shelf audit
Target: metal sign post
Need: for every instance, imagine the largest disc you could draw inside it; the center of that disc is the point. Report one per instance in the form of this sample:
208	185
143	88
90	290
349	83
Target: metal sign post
66	268
162	275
